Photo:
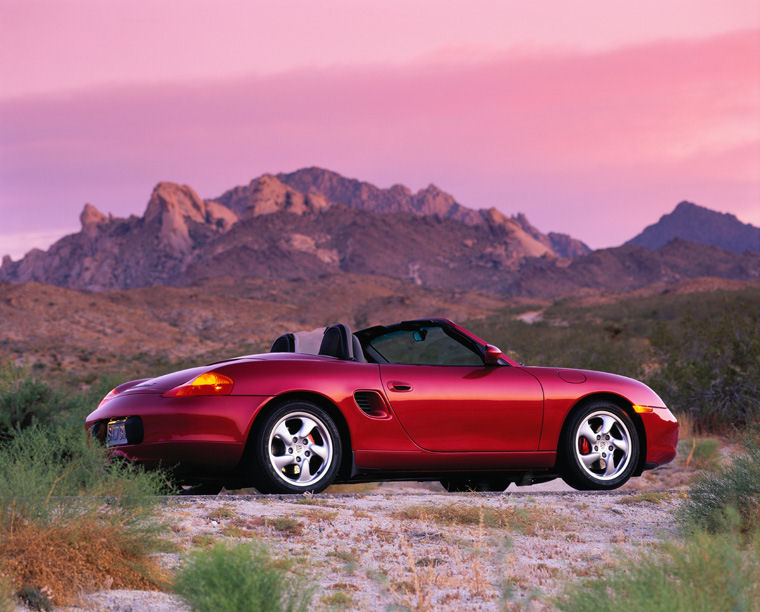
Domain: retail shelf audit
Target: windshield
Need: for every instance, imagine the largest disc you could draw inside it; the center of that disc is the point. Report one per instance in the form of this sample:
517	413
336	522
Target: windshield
427	345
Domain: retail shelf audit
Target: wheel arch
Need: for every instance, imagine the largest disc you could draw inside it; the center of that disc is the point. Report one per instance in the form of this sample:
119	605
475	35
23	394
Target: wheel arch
622	403
346	463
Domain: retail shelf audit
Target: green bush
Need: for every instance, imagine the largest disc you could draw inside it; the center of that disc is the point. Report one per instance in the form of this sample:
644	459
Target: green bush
26	400
707	572
240	578
53	473
731	494
711	366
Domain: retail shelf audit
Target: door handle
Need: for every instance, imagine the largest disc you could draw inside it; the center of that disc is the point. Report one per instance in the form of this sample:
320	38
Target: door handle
397	385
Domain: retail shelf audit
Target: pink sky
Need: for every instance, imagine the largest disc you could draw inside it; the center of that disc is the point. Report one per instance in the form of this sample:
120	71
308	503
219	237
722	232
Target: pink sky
593	118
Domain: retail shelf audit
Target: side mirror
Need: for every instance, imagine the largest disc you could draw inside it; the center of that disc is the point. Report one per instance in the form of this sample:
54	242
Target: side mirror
492	355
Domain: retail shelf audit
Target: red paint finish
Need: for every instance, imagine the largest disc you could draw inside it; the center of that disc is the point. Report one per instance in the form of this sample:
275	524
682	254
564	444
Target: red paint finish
427	461
464	408
185	430
662	436
440	418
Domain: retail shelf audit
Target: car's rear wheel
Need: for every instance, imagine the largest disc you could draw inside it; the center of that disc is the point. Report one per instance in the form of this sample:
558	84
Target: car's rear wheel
600	447
296	450
476	482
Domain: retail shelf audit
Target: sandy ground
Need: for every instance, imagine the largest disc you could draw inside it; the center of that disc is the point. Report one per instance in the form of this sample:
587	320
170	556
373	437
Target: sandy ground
410	545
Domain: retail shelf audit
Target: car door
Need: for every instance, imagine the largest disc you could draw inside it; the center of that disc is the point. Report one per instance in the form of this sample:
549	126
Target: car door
448	400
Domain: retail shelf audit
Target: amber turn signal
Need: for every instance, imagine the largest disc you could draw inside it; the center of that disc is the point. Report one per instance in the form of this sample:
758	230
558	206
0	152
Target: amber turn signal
640	409
210	383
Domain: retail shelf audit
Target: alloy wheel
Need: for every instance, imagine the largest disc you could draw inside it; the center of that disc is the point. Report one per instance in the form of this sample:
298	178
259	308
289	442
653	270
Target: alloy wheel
300	449
603	445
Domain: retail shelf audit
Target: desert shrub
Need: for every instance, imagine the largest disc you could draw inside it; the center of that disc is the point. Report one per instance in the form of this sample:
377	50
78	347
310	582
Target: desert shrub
705	572
239	578
57	560
44	468
71	519
711	366
26	400
731	495
605	346
700	352
7	600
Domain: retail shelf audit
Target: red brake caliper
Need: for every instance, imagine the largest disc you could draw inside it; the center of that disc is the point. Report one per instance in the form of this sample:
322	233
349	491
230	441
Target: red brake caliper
584	446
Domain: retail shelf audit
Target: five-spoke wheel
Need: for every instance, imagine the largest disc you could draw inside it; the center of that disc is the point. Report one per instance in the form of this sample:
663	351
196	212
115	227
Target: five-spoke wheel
297	450
600	448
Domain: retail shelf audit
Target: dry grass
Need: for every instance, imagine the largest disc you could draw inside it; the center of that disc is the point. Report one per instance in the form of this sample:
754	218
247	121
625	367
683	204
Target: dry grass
652	497
417	592
68	560
318	514
700	453
350	559
203	540
283	525
338	600
239	532
220	514
526	520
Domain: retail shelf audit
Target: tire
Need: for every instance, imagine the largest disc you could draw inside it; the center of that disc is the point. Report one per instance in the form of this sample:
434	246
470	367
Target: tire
476	482
296	450
599	449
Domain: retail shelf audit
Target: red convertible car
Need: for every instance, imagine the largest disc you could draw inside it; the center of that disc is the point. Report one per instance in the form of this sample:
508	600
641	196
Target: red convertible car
417	400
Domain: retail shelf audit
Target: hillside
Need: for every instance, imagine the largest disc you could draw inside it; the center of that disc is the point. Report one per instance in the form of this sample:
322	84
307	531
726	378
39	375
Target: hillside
699	224
64	330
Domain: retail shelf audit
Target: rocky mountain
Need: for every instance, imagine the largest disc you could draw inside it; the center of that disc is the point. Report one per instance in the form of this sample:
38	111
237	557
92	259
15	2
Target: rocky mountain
699	224
319	185
314	223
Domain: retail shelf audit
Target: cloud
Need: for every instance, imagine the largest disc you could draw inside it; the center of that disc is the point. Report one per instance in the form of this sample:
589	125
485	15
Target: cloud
597	144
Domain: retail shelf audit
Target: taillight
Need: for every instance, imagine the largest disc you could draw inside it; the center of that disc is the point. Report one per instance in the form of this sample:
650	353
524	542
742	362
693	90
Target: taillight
111	394
210	383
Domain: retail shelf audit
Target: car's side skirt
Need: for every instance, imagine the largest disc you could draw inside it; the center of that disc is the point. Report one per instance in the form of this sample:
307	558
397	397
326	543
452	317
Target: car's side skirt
425	460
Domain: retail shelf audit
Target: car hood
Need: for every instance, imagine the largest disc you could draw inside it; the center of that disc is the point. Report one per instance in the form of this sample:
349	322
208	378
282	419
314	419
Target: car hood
587	382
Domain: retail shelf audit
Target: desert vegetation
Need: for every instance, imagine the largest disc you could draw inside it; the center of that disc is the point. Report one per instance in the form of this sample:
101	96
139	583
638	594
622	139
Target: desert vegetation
699	351
73	521
241	578
70	518
713	565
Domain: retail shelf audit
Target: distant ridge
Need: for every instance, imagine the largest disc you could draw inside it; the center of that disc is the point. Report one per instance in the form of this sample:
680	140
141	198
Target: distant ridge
314	223
699	224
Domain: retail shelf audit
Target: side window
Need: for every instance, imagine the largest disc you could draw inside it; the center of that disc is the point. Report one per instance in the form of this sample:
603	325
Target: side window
424	346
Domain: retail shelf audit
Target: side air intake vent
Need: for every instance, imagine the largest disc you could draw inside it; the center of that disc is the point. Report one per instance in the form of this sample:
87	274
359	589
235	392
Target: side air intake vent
372	404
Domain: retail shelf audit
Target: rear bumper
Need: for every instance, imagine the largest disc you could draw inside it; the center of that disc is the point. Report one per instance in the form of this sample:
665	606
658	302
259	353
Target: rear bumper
208	432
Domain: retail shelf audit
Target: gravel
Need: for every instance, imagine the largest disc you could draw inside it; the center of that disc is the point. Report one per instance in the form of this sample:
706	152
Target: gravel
377	550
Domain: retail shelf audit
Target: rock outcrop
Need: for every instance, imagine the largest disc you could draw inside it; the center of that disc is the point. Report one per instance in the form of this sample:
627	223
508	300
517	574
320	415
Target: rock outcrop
314	222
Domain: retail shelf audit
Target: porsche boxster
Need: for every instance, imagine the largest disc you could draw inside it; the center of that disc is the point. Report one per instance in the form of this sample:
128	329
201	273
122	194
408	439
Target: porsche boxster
416	400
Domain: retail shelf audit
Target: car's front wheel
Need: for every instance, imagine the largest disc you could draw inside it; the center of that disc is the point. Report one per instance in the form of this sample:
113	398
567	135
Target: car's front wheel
600	447
296	450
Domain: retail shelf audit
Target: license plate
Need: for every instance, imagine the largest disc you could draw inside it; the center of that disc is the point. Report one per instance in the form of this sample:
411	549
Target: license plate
116	434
